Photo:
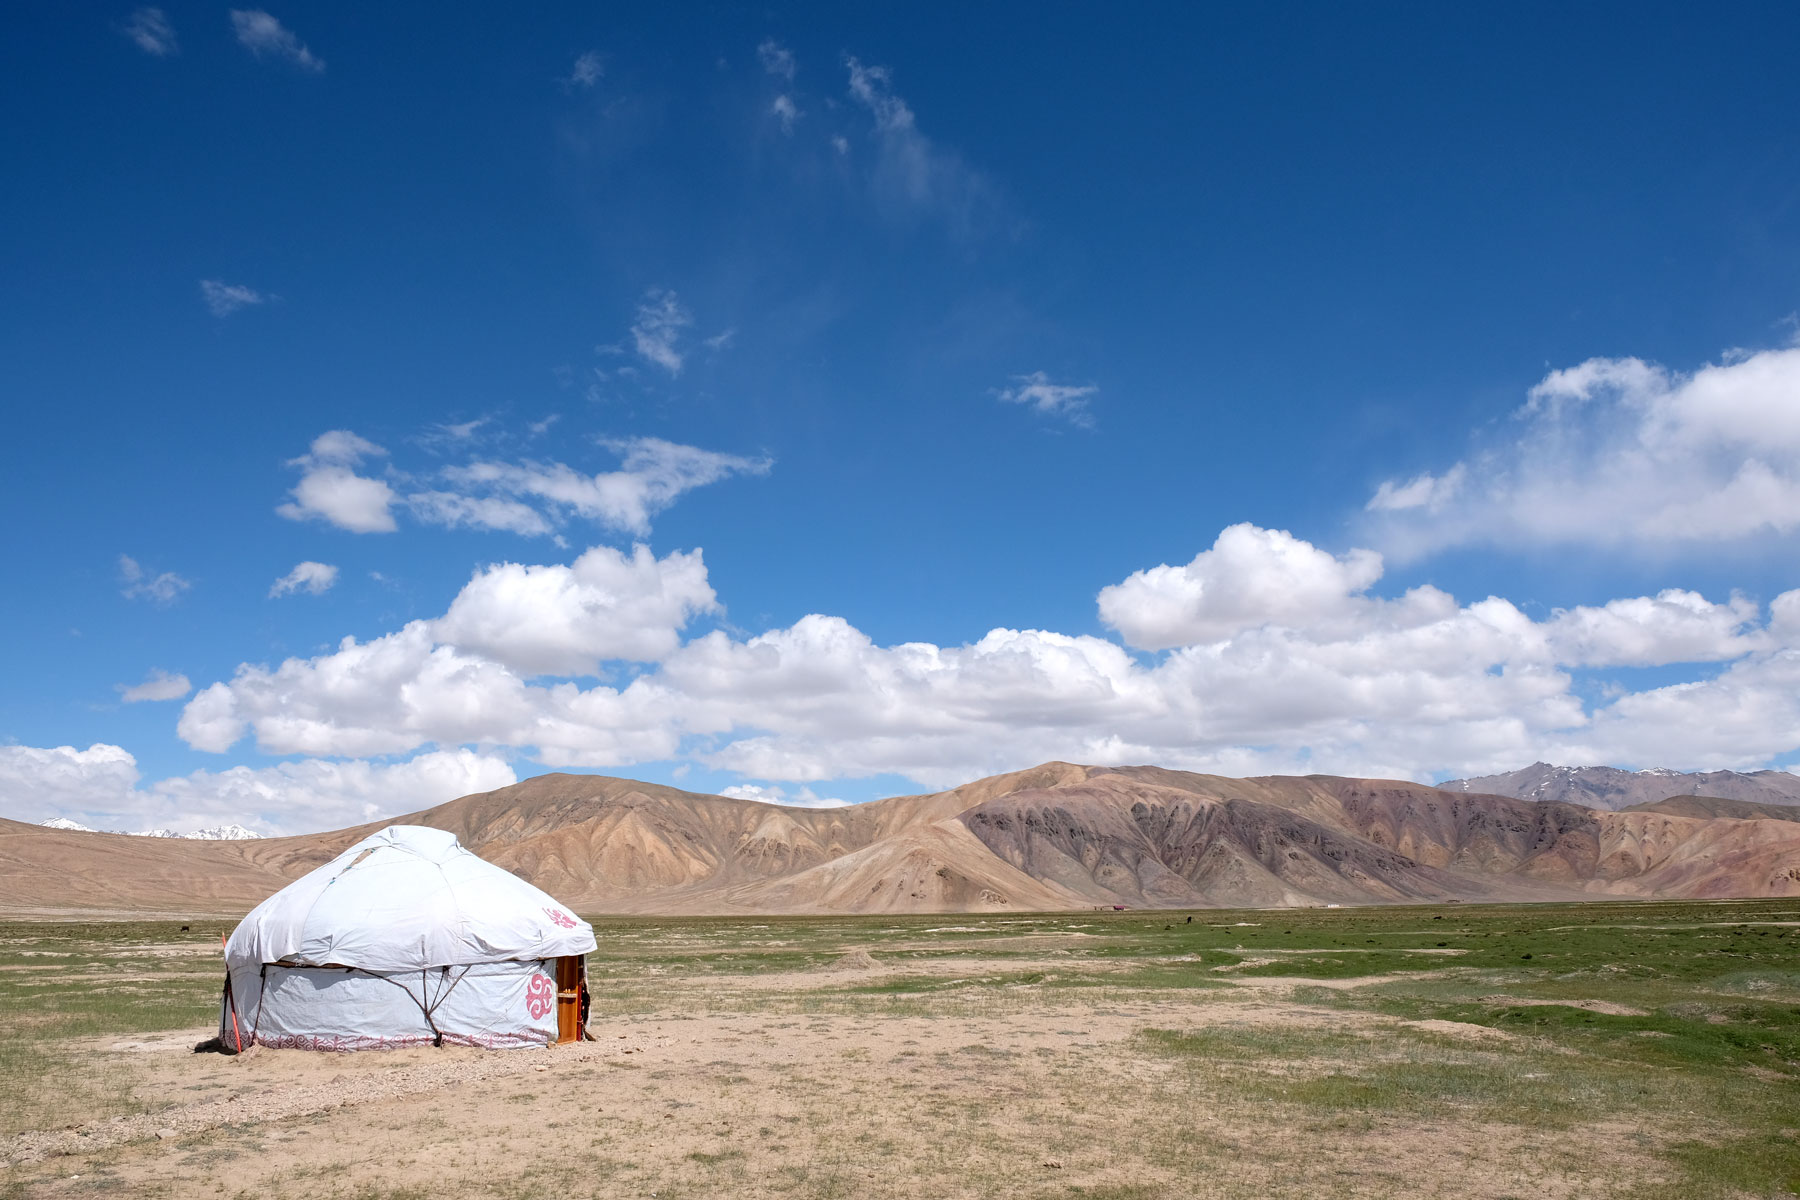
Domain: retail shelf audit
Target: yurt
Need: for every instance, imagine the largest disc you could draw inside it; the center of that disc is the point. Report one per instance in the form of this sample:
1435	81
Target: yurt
406	939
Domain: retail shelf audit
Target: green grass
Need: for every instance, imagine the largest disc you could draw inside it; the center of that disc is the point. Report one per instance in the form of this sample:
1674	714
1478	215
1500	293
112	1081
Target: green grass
1701	1033
61	983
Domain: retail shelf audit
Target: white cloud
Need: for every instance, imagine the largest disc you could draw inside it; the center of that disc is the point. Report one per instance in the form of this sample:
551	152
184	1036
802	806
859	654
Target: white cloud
1070	402
912	173
263	35
652	475
158	685
1619	452
588	69
657	330
786	112
330	490
532	499
777	59
557	620
1250	577
313	794
223	299
1279	659
150	29
454	510
101	785
1674	626
310	577
161	589
37	784
804	798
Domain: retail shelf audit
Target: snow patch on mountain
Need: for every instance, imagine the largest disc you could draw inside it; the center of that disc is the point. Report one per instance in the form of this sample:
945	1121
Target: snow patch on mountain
231	831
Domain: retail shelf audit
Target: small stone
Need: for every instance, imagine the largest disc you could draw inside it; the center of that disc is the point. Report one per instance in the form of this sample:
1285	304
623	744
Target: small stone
164	1134
540	1067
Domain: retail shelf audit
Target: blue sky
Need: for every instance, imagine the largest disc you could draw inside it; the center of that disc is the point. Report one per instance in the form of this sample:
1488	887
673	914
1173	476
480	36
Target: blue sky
1408	391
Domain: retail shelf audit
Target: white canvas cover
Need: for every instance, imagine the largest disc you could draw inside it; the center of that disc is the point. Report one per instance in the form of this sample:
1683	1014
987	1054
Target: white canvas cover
406	938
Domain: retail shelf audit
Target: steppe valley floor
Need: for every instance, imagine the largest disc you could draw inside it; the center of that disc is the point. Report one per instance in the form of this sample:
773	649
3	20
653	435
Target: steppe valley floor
1521	1051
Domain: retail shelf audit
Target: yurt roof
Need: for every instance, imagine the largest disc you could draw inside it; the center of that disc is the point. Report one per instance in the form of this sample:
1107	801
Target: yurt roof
407	898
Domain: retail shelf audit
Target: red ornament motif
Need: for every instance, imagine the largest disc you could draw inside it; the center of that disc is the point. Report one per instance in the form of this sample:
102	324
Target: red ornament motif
540	996
561	918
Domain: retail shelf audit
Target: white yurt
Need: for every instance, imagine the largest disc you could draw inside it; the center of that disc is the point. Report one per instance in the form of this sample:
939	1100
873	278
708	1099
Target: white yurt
406	939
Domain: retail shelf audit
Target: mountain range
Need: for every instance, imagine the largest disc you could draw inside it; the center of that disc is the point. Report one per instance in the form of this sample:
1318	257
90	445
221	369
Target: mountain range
229	832
1614	789
1057	836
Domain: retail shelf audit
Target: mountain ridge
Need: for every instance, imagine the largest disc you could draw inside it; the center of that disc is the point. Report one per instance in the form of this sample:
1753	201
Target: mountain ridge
1055	836
1616	789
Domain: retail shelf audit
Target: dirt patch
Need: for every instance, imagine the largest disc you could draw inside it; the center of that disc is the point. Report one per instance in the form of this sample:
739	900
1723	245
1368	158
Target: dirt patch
855	960
1463	1029
1606	1007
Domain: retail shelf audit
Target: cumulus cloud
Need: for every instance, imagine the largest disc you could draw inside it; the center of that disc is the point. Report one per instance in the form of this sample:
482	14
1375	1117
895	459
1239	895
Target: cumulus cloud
657	331
158	685
1035	391
160	588
100	787
1250	577
1279	657
39	783
567	620
149	28
310	577
264	36
223	299
1618	452
330	490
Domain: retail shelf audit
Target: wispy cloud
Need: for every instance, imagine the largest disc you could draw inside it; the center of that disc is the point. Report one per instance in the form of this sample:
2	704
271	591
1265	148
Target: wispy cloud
914	174
158	685
223	298
527	497
653	473
777	59
657	330
312	578
161	589
786	112
264	36
588	70
1067	401
150	29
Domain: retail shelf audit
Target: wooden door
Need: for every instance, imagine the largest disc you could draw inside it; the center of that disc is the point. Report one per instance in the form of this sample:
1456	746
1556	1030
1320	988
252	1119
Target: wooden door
571	982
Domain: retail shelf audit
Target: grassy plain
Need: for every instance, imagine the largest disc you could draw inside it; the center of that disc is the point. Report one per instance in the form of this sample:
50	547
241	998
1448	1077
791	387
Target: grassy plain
1616	1049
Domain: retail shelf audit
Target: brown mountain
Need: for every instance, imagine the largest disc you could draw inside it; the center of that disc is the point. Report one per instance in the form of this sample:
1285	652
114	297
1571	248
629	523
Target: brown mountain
1714	806
1056	836
1616	789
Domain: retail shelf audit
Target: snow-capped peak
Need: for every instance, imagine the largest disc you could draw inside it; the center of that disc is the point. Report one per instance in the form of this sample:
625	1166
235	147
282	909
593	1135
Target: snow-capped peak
230	832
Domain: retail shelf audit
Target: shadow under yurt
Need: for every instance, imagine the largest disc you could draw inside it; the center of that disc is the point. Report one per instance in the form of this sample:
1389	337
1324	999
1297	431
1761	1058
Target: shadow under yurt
406	939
